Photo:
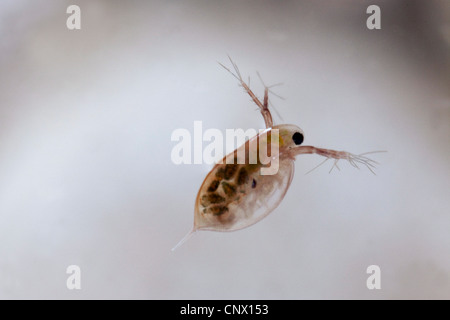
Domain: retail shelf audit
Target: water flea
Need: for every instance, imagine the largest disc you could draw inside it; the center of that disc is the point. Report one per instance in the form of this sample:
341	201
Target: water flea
217	194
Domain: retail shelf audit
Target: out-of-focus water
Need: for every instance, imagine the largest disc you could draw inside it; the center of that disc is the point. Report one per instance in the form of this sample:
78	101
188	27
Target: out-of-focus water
86	176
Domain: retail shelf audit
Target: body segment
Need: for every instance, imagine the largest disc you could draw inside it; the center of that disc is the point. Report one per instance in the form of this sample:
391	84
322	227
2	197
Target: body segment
235	194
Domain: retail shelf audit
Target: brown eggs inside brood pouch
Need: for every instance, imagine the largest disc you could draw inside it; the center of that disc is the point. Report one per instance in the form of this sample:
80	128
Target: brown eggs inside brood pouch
223	190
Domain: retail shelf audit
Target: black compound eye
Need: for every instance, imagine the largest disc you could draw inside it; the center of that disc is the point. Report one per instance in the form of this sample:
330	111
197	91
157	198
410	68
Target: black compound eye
298	138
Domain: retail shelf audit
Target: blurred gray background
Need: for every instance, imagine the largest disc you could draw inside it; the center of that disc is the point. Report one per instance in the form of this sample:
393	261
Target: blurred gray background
85	171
